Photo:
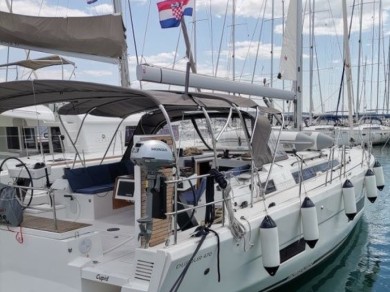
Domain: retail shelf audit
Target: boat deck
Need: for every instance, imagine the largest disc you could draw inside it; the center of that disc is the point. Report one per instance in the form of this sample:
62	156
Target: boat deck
47	224
119	242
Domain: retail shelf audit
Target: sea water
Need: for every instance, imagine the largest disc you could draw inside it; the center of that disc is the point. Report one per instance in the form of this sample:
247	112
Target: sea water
363	262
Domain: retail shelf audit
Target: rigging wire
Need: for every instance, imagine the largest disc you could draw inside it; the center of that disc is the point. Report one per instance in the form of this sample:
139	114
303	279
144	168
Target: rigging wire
250	46
134	39
211	38
221	40
146	29
258	43
133	32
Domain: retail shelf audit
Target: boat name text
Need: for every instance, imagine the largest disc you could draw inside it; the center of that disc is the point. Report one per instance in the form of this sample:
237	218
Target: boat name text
194	260
102	277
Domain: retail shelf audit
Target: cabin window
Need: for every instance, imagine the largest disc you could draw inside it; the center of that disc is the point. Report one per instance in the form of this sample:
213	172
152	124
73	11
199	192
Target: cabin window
29	139
270	186
56	138
129	134
311	172
13	138
165	131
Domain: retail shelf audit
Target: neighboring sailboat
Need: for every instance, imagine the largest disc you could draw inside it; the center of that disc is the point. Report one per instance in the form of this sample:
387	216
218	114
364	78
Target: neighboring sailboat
364	132
99	38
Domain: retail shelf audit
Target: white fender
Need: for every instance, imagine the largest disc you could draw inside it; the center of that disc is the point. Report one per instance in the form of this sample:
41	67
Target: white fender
311	232
349	199
379	176
269	239
370	182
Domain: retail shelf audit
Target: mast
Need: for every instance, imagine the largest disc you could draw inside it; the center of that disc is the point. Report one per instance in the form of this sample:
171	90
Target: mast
298	82
347	65
365	85
311	33
188	45
272	42
123	62
234	39
284	27
379	52
359	59
9	5
388	80
372	53
319	79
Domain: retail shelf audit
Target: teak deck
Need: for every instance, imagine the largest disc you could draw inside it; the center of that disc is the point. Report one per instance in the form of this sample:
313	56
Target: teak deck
47	224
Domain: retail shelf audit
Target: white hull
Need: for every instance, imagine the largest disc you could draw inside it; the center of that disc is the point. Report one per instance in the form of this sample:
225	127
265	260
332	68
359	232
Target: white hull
46	261
145	246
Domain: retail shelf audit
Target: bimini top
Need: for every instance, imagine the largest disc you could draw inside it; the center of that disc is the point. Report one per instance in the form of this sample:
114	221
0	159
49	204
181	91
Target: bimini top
100	36
110	101
35	64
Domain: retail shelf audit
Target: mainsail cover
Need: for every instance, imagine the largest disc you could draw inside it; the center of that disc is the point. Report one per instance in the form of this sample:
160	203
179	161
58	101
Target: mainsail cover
101	36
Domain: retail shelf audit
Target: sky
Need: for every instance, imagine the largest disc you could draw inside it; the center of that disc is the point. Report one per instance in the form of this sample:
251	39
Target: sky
211	31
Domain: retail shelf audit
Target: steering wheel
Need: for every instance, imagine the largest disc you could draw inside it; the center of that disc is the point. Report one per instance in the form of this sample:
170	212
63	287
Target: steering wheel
19	181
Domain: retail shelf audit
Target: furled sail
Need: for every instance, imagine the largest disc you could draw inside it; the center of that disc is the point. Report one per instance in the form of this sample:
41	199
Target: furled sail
288	56
97	37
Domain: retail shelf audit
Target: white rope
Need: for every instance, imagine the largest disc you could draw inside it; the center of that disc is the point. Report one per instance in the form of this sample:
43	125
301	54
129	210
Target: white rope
236	227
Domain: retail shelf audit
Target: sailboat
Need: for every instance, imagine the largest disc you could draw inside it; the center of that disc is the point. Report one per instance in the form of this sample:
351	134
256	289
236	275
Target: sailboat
247	219
263	236
346	129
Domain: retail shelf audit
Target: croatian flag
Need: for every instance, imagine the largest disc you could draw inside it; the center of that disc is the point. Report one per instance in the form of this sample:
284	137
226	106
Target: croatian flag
171	11
91	1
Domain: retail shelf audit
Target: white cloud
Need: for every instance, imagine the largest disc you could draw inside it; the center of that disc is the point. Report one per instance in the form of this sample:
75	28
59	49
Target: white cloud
328	13
94	73
164	59
37	7
60	8
101	9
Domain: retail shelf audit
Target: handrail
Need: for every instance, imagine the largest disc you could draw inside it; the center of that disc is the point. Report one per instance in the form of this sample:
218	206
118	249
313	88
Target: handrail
325	174
196	207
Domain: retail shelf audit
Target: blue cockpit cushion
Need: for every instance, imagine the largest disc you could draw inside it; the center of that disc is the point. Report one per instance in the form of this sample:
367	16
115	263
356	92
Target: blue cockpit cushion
78	178
100	174
96	189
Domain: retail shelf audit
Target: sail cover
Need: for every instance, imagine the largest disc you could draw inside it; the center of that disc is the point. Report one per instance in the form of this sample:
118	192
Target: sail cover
100	36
